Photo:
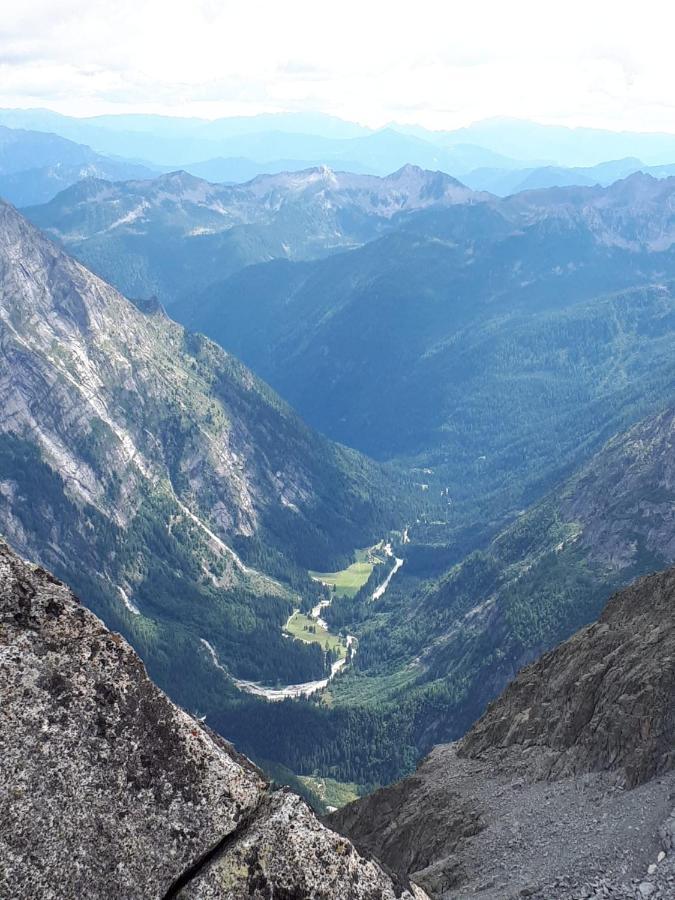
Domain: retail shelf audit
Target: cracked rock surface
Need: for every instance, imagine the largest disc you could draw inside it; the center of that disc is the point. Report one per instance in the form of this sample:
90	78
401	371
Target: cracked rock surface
110	790
565	788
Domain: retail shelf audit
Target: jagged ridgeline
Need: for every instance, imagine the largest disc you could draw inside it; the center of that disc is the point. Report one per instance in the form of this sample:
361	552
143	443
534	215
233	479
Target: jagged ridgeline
168	485
176	234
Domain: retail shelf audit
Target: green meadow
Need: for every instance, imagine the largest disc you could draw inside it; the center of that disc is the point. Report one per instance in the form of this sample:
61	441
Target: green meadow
348	581
307	629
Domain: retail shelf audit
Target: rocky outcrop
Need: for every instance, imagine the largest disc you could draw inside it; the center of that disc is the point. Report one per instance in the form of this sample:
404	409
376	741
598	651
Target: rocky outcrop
623	497
110	790
602	701
566	785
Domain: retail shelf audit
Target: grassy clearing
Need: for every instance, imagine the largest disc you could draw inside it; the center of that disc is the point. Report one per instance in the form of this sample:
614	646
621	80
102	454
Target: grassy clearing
350	580
304	628
332	794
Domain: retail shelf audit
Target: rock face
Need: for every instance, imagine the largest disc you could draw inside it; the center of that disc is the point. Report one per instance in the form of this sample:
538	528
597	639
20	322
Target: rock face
602	701
109	790
623	498
565	785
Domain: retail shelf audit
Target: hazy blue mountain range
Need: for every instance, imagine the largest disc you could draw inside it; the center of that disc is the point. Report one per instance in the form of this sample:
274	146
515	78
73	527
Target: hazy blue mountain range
190	140
508	181
35	166
378	154
175	235
560	145
315	139
487	156
179	126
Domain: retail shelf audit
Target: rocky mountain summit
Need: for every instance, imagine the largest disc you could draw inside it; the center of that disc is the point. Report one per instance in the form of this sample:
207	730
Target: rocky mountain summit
565	788
109	790
637	212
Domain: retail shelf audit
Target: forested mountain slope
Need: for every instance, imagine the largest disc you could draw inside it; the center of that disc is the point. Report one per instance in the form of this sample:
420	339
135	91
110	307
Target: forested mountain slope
435	650
493	343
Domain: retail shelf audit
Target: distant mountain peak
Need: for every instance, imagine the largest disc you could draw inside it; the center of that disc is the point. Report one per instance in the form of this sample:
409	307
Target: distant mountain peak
180	179
408	169
417	173
316	173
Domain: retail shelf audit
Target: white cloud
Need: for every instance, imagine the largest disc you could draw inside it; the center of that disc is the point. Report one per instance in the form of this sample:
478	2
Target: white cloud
436	62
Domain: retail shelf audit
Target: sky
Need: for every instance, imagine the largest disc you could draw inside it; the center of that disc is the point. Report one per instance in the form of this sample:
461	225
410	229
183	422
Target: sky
432	63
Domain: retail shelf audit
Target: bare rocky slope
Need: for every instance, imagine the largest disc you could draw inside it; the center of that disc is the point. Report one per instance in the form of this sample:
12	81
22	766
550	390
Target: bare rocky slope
110	790
564	788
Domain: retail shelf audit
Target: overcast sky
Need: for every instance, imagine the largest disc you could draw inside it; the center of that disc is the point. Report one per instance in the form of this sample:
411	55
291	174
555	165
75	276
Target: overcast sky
438	64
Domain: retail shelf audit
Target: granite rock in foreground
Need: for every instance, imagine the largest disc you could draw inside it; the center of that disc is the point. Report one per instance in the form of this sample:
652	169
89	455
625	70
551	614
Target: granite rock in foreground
110	790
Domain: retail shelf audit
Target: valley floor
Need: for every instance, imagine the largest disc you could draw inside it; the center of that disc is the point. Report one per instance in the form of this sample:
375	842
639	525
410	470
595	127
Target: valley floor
314	629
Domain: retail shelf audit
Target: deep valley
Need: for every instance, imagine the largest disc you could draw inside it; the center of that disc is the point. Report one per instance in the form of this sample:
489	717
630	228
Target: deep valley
360	465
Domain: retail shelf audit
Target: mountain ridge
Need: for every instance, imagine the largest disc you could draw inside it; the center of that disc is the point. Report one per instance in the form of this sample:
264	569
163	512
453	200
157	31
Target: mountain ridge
174	235
34	166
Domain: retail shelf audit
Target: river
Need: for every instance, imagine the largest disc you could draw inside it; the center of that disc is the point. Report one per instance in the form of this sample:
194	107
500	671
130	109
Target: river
380	590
